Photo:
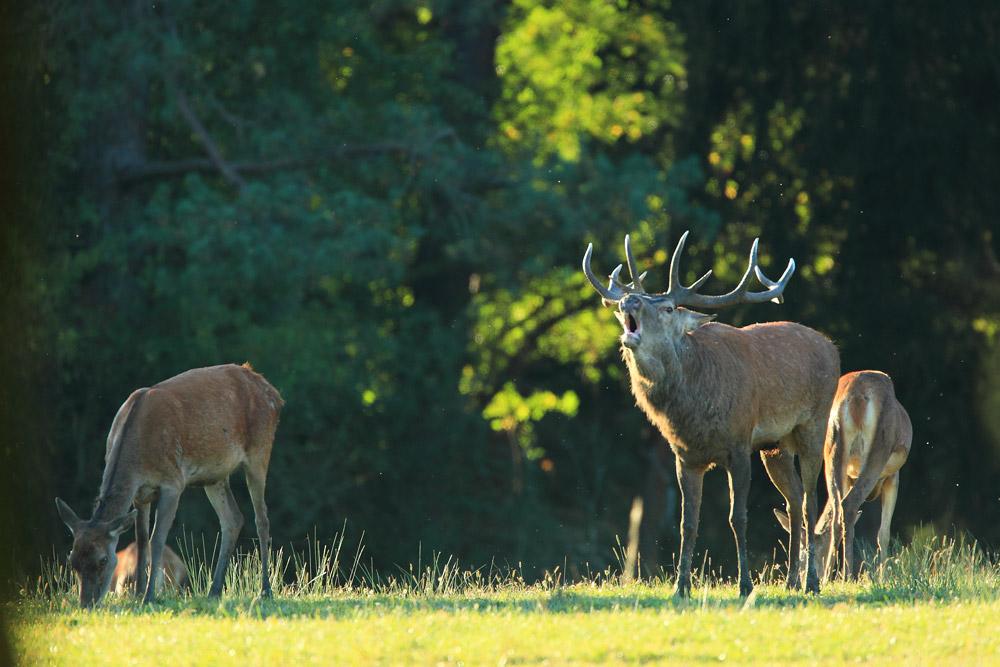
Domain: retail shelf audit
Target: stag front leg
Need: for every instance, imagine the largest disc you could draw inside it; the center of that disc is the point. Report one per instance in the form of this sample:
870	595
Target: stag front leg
690	482
739	489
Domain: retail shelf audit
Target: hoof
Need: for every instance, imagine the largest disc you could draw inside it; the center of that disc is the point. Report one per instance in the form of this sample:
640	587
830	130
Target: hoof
746	588
812	586
682	592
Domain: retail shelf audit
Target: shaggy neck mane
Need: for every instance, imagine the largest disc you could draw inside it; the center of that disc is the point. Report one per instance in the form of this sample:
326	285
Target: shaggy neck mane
683	399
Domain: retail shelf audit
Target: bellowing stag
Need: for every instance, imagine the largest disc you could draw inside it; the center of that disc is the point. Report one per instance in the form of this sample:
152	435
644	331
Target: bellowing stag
718	393
867	442
194	429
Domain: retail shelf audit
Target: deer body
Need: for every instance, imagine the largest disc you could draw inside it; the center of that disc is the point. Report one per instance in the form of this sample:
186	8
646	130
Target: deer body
718	393
175	572
730	383
194	429
868	441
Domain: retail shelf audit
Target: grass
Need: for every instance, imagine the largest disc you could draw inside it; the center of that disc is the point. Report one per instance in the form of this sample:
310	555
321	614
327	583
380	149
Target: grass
936	600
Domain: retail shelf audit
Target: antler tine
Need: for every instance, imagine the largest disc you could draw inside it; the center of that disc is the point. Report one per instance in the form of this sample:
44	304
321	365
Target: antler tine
740	294
616	280
675	265
770	284
767	282
633	269
675	288
609	293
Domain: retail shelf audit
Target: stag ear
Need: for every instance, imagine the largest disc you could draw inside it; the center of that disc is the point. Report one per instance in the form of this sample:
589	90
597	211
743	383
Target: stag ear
782	518
693	319
68	516
118	526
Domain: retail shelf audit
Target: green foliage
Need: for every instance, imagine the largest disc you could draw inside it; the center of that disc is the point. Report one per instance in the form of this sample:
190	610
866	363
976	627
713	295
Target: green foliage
383	207
587	68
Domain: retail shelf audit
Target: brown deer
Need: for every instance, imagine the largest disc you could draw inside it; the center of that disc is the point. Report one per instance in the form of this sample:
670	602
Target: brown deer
194	429
717	393
175	572
867	442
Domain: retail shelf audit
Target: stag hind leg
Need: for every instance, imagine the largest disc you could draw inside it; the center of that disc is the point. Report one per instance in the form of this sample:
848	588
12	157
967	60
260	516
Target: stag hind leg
810	437
780	467
230	522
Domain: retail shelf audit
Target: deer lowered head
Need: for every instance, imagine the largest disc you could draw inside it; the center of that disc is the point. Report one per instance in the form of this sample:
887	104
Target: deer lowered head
93	557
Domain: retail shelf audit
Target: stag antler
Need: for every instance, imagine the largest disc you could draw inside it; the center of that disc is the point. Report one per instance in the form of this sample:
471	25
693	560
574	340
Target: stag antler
616	289
688	296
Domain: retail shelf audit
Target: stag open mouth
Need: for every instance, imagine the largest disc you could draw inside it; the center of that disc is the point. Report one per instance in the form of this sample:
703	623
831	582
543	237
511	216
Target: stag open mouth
631	336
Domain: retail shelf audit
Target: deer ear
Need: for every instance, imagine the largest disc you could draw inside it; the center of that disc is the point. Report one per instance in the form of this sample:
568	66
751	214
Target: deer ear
118	526
693	319
68	516
782	518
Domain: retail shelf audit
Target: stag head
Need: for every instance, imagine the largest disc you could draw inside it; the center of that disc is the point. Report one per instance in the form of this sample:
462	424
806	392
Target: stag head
657	318
93	558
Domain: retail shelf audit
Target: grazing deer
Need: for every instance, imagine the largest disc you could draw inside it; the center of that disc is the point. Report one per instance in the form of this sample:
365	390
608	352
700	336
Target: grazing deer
867	442
194	429
717	393
175	572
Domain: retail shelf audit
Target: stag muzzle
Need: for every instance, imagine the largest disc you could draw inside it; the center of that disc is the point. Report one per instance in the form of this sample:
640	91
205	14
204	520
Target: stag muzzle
630	309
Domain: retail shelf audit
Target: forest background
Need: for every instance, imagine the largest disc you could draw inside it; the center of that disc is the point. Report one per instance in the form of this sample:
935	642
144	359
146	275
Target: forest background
383	207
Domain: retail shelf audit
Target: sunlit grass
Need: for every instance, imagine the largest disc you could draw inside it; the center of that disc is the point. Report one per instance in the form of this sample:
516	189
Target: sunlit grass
937	599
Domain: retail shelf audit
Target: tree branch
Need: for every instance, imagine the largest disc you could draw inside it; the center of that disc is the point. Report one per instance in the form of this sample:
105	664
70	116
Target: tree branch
214	154
177	168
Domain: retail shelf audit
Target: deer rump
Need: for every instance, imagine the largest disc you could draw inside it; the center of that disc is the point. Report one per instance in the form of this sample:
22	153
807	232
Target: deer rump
175	572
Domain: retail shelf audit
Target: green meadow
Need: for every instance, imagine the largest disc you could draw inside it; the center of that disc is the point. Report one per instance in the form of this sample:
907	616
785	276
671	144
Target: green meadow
936	601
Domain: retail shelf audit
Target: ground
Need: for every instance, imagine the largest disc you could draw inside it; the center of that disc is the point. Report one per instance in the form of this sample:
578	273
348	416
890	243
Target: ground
932	604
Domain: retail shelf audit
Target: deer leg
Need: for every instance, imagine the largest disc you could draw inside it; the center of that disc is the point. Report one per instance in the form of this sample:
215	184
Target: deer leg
780	467
890	488
230	524
855	498
690	482
166	510
739	489
256	481
142	550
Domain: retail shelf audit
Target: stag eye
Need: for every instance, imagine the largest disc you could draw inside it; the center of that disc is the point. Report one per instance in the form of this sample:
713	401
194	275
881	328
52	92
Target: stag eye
669	309
103	561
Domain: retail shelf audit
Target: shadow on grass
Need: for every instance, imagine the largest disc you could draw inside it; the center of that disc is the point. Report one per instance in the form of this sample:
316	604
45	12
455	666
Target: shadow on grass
565	600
